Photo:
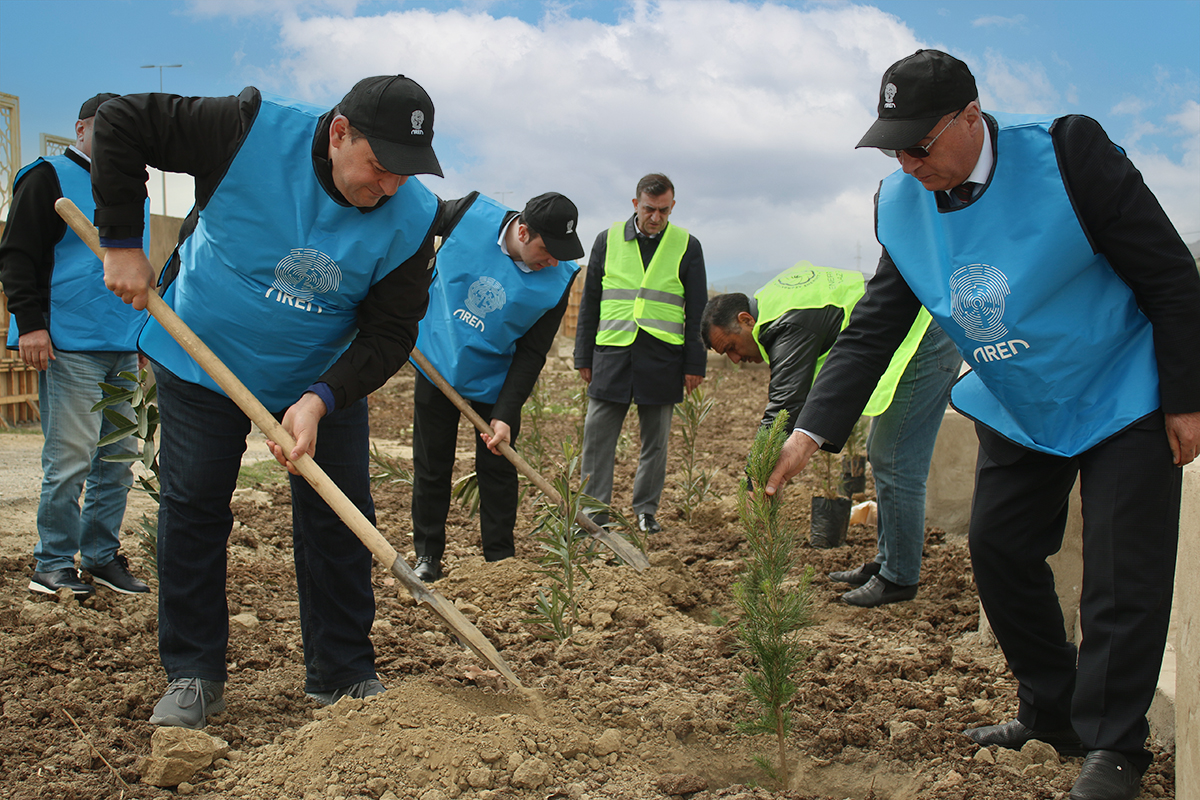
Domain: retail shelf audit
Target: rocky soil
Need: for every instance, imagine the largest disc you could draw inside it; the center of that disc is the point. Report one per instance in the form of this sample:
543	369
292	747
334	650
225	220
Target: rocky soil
642	702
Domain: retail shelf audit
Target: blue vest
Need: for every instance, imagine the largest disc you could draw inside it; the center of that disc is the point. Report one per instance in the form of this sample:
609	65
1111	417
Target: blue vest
84	315
1061	357
272	277
481	303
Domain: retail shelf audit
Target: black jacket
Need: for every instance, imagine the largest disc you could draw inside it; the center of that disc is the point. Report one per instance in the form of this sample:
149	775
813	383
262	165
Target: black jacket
32	232
201	136
1121	218
532	347
649	371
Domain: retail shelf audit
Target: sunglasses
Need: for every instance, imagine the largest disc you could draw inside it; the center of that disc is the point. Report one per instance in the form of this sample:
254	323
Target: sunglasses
922	150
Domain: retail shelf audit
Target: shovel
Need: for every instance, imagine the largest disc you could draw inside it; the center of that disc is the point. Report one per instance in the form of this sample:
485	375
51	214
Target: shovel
329	491
623	549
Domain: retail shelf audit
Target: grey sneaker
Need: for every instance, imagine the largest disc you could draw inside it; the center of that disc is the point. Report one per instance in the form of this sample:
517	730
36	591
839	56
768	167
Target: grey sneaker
188	703
368	688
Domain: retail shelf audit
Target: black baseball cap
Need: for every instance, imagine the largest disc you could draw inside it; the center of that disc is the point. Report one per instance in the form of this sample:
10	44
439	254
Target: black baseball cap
88	109
915	93
396	116
555	218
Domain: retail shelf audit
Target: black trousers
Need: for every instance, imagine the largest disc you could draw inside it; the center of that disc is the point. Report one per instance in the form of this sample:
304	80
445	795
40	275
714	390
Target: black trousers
1131	495
435	434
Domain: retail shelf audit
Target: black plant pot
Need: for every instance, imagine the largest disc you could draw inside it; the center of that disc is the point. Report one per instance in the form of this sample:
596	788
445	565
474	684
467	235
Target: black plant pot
854	475
830	521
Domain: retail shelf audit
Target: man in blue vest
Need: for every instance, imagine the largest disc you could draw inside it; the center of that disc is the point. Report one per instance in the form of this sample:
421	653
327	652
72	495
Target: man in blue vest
1038	248
792	323
66	325
638	341
494	310
305	267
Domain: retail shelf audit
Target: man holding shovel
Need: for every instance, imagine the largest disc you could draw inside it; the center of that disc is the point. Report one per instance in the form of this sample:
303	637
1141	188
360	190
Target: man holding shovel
305	267
503	280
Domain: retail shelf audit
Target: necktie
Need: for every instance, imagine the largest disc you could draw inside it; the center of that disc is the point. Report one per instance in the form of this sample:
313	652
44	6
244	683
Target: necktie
962	193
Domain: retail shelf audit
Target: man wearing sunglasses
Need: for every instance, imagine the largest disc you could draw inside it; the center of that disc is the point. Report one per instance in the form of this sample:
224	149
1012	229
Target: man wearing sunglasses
1037	247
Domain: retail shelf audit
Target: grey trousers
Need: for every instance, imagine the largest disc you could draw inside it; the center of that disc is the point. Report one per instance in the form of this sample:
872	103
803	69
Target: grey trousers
601	430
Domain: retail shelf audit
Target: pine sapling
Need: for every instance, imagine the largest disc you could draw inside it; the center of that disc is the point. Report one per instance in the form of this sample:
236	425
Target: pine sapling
773	604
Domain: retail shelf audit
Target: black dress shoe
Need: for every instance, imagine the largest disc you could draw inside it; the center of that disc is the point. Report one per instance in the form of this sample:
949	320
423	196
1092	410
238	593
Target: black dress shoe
427	569
116	576
1014	734
1106	775
65	578
879	591
648	524
856	577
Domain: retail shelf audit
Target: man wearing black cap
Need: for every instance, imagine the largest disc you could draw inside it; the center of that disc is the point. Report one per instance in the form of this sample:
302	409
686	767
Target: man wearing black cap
495	305
66	325
305	266
1037	247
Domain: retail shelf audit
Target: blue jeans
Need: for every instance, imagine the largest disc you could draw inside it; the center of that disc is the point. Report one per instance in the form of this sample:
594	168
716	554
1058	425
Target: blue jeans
71	463
900	447
203	438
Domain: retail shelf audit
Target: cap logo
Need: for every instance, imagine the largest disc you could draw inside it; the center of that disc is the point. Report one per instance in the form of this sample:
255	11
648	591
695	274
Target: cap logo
418	119
570	225
889	94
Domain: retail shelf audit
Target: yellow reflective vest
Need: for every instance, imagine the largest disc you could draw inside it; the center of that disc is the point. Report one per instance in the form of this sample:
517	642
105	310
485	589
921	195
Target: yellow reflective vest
634	296
806	285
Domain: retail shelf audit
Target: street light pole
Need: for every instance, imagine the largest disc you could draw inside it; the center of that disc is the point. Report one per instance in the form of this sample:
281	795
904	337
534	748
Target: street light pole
160	68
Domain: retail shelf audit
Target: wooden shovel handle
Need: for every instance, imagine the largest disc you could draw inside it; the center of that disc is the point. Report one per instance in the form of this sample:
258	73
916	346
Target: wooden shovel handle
309	469
626	551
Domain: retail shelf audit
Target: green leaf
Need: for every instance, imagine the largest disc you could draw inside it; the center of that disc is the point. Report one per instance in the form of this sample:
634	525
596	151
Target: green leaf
117	435
123	458
118	419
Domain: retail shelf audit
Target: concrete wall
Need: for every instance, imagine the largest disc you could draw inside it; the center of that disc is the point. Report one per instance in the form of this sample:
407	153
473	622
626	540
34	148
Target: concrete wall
1185	641
1175	714
164	235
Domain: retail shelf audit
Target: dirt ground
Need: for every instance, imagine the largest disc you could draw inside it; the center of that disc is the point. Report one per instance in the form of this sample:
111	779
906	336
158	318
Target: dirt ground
641	703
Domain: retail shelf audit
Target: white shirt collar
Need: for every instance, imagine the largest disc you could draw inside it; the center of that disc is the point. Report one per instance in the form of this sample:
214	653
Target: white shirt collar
983	167
80	153
504	245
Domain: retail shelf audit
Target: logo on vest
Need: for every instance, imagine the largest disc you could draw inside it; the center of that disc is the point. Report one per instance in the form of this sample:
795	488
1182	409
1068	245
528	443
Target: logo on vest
977	293
795	280
302	275
418	119
889	94
484	296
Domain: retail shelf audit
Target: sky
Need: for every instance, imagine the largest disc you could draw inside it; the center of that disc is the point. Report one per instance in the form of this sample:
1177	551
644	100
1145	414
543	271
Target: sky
752	108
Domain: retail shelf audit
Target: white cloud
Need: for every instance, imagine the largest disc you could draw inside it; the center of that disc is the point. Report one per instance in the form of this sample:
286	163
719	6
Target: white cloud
1129	106
1174	182
753	111
1188	120
236	9
997	21
1016	86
